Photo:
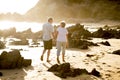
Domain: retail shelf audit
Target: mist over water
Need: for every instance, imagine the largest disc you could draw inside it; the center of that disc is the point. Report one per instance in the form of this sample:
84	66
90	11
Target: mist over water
35	26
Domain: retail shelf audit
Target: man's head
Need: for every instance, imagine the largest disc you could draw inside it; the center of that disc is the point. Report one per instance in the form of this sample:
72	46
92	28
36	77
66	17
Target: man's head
50	20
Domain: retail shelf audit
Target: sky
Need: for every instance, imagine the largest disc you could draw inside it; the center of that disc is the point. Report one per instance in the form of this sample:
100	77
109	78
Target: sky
18	6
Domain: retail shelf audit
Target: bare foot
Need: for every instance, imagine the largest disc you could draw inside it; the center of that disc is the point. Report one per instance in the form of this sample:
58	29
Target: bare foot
48	61
58	61
64	61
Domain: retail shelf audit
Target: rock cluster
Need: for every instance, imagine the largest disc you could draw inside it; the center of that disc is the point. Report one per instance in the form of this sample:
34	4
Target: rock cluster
21	42
13	59
107	33
64	70
77	35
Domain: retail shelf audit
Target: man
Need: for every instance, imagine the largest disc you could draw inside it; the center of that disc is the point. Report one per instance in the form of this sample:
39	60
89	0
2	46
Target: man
48	33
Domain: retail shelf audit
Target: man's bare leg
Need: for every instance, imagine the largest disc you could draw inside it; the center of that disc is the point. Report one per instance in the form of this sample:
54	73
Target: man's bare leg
43	54
48	54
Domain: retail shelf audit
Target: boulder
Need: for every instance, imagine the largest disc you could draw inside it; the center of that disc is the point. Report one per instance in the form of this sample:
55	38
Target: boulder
27	62
64	70
65	67
13	59
54	68
20	63
116	52
78	71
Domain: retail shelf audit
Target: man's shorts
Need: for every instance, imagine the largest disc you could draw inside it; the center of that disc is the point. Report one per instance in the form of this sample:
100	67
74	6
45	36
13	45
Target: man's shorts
48	44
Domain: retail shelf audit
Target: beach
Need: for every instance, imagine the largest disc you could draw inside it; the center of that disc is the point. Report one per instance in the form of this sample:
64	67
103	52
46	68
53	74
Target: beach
105	62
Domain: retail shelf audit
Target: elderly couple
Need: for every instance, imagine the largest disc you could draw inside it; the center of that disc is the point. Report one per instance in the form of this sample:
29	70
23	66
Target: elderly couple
60	35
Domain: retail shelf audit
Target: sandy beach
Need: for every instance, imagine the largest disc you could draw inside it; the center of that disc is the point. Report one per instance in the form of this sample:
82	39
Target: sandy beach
106	63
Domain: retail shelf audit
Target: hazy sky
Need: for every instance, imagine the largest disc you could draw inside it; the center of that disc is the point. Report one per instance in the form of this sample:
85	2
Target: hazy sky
19	6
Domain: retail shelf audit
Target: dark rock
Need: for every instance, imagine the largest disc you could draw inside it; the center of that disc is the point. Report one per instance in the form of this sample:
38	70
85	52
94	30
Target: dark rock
12	59
83	71
2	45
64	70
107	33
61	75
83	47
27	62
90	55
106	43
54	68
71	73
3	55
65	67
20	63
95	73
76	36
116	52
78	71
1	74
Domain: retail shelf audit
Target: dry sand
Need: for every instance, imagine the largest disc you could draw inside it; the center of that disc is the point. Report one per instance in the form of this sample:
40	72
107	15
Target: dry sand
106	63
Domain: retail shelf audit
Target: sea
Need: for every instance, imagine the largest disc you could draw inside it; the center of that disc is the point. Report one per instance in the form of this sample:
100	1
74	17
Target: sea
36	26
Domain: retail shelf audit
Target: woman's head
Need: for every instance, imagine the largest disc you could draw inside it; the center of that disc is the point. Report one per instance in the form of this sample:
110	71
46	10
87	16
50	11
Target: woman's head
62	24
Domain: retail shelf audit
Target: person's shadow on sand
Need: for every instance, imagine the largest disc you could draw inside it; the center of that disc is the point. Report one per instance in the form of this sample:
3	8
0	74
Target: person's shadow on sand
15	74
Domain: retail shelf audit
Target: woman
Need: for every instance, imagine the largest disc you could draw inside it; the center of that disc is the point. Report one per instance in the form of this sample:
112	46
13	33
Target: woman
62	40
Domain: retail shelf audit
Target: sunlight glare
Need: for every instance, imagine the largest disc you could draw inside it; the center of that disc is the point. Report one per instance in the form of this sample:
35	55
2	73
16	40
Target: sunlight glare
19	6
20	26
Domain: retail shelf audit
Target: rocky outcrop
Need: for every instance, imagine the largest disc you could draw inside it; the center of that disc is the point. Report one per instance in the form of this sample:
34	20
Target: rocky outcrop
78	36
78	31
13	59
64	70
107	33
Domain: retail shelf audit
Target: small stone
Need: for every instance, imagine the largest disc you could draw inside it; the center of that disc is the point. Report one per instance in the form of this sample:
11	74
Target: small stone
95	73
